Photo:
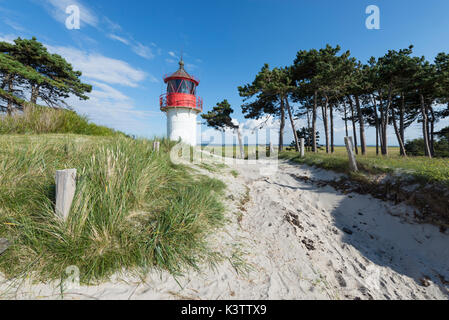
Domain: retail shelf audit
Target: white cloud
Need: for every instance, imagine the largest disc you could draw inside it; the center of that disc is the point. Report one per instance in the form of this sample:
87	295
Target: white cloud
113	26
120	115
106	92
8	38
143	51
15	25
137	47
115	37
264	122
98	67
109	107
57	9
171	53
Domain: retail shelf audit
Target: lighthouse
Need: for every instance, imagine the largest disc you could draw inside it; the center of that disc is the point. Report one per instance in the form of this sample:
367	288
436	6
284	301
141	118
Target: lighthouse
181	105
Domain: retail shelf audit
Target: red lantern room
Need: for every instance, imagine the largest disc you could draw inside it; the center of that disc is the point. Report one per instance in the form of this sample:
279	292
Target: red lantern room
181	91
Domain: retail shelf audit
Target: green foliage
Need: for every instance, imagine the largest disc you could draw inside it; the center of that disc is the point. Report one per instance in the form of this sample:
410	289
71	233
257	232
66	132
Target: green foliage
443	134
220	116
133	209
258	95
306	134
26	65
422	169
268	95
41	120
416	148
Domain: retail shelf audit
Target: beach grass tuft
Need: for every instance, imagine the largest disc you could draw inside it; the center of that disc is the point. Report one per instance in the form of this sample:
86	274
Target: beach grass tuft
133	208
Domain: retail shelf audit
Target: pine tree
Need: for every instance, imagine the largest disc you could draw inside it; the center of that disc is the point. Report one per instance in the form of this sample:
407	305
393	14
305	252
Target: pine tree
46	76
220	118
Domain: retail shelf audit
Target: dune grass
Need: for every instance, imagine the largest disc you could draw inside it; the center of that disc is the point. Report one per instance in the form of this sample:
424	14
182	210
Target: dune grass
133	208
422	169
43	120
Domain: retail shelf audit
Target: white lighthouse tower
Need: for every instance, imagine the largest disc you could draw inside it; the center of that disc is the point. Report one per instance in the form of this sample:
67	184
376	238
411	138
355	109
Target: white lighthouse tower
181	105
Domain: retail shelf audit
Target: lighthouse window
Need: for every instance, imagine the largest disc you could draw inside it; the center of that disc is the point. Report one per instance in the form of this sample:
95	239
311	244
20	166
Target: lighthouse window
174	86
181	86
188	87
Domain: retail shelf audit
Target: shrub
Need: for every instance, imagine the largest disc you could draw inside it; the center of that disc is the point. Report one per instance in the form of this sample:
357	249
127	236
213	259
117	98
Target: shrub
416	148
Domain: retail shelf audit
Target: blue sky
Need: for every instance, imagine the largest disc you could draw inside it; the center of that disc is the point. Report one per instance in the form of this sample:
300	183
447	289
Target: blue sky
125	47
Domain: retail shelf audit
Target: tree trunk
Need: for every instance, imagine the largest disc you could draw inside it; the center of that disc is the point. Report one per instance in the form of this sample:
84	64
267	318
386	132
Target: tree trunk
308	130
432	131
314	109
9	106
387	119
383	126
346	119
5	81
401	122
424	128
282	126
398	135
325	122
361	125
239	137
381	129
377	137
331	112
354	129
34	94
376	119
292	122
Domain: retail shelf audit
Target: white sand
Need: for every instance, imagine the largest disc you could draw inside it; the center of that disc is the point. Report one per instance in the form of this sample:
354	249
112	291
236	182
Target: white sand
291	233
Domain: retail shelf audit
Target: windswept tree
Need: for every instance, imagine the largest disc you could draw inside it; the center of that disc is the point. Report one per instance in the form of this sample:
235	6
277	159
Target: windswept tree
220	118
394	69
305	69
425	86
323	76
45	76
268	95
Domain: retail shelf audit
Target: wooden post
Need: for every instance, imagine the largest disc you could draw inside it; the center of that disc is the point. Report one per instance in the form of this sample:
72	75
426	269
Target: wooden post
271	149
302	147
156	146
65	191
4	244
349	148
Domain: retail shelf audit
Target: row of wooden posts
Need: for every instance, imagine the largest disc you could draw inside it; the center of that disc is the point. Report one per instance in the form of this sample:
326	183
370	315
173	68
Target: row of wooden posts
66	179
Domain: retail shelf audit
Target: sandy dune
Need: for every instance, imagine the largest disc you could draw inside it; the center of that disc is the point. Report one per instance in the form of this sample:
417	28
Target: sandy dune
301	241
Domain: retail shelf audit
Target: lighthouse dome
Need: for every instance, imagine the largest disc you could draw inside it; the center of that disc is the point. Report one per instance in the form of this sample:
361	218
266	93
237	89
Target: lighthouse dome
181	73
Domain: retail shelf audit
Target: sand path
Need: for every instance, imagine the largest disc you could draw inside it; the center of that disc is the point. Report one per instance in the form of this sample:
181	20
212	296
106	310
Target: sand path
300	241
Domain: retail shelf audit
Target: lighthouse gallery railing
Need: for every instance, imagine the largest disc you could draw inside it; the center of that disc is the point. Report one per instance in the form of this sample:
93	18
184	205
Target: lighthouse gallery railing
177	99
